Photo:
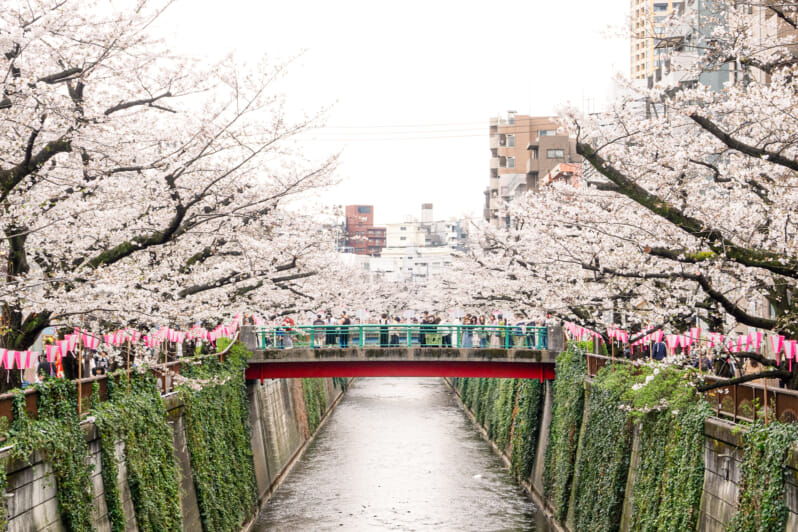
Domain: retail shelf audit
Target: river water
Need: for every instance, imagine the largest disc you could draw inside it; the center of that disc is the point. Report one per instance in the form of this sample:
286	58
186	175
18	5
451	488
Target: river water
399	454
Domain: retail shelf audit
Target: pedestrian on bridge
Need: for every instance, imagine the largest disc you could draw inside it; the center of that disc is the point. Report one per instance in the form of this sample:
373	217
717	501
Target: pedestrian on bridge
318	331
482	332
466	333
396	331
344	331
329	330
384	321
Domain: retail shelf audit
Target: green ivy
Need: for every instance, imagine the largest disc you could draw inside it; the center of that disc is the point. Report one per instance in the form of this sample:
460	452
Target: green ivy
504	410
138	419
57	435
342	383
218	436
568	399
669	479
603	461
3	496
315	402
526	427
761	505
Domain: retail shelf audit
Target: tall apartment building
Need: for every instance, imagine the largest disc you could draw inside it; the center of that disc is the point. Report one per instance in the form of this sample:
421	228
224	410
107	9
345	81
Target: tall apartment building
523	148
362	238
647	26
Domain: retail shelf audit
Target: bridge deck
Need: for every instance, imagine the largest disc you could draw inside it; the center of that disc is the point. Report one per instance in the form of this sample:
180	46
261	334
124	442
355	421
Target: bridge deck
401	362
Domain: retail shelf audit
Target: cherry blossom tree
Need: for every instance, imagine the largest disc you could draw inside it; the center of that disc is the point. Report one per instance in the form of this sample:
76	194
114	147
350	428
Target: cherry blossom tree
137	185
691	208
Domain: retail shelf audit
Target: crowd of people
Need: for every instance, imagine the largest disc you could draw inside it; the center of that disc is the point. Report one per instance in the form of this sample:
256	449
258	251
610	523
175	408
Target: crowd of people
427	330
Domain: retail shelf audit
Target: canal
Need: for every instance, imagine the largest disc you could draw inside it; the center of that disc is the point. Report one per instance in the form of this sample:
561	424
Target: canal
399	454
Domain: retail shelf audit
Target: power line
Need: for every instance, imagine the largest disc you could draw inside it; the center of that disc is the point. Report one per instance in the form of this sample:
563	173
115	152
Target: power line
366	139
403	132
442	124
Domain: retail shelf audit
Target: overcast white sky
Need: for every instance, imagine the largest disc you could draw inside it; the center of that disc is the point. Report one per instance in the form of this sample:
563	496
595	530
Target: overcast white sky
413	83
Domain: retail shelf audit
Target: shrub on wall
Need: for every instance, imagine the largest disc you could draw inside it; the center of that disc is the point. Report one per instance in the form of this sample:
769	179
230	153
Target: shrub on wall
567	411
136	416
761	504
218	437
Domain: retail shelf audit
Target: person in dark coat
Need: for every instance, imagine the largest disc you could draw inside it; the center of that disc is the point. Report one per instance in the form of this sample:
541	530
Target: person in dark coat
659	351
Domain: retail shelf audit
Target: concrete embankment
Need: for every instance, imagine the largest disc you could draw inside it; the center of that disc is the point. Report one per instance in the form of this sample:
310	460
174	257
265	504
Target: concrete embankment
280	431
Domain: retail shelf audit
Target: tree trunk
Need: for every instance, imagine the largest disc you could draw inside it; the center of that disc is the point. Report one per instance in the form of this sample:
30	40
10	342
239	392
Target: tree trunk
18	334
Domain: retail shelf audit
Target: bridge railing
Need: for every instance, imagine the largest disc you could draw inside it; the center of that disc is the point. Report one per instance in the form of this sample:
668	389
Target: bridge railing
404	335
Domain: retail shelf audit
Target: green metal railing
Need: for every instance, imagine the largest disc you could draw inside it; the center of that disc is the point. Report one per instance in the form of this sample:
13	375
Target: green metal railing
404	335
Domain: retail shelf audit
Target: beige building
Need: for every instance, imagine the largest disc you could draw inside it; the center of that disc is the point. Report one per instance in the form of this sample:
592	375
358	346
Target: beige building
523	148
647	25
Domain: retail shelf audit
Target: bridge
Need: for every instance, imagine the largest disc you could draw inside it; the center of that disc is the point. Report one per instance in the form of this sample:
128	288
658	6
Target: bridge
403	350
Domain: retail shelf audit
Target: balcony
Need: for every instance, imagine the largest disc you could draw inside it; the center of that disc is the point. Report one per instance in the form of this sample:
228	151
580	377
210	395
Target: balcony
494	142
494	163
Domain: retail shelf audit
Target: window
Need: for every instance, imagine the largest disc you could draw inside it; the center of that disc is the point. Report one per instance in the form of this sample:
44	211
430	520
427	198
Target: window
510	141
364	209
555	154
403	228
402	238
660	7
511	162
546	133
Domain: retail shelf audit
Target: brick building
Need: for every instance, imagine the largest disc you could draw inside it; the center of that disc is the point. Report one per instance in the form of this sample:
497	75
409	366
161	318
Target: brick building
523	149
362	238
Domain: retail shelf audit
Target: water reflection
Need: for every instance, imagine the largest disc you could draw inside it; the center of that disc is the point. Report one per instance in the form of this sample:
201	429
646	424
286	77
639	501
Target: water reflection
399	454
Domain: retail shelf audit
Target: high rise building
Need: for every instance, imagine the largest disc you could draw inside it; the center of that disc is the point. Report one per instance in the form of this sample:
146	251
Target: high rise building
523	148
362	238
647	26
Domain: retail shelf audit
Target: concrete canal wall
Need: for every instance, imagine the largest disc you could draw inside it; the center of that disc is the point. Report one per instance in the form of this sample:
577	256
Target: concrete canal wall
280	432
723	450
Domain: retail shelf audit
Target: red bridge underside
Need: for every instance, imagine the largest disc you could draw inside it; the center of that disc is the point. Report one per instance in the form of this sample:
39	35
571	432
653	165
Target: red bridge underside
414	368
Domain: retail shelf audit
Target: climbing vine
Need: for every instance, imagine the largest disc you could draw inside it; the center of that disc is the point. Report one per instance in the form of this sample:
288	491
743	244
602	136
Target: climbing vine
526	427
137	419
761	505
218	437
568	400
669	478
57	435
3	496
603	460
315	402
504	410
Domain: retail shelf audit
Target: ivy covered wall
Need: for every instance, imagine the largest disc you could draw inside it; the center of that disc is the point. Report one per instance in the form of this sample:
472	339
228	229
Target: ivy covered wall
649	416
134	435
566	420
218	437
